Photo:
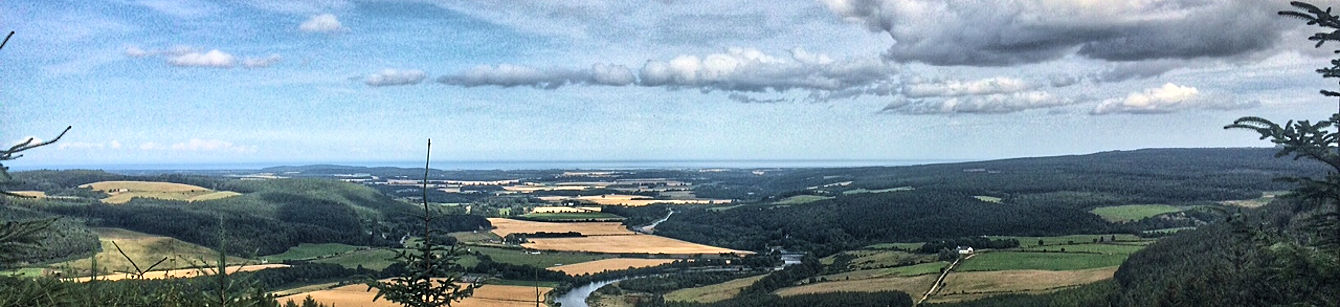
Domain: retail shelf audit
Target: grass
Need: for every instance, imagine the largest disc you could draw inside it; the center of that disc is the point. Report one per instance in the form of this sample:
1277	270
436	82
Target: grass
306	251
474	236
23	272
971	285
1107	249
712	293
801	199
902	271
1128	213
544	259
860	191
900	246
375	259
523	283
572	216
1000	261
873	259
989	199
914	286
143	248
153	189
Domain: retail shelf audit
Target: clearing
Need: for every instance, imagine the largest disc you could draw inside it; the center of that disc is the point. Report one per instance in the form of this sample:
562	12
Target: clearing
1003	260
121	192
1126	213
615	264
712	293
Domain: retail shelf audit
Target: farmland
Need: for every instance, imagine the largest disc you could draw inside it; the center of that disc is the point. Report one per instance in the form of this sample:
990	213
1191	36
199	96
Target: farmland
918	284
627	244
542	259
504	227
712	293
141	248
968	285
632	200
1004	260
187	273
564	209
1126	213
860	191
121	192
597	266
485	296
306	251
573	216
376	259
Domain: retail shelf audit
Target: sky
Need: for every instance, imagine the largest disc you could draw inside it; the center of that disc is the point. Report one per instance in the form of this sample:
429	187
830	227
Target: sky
330	81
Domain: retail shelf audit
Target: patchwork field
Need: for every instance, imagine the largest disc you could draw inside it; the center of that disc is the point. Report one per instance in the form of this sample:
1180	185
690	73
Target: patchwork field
632	200
592	267
712	293
485	296
859	191
543	259
573	216
121	192
503	227
144	248
1128	213
629	244
971	285
912	285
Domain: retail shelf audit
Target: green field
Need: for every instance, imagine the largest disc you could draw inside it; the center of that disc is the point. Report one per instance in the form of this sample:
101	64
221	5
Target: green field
23	272
989	199
1169	230
376	259
474	236
1128	213
999	261
572	216
544	259
902	271
801	199
873	259
307	251
859	191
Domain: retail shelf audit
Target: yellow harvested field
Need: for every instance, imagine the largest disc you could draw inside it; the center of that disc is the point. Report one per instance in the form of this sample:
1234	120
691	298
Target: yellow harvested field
712	293
969	285
145	249
485	296
121	192
914	286
597	266
503	227
628	244
633	200
533	188
188	273
565	209
37	194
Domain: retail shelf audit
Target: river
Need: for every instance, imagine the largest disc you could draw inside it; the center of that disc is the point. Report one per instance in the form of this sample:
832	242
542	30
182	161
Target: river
577	296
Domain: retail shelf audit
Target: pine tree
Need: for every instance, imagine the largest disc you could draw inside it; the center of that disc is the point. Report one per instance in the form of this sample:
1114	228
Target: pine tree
432	275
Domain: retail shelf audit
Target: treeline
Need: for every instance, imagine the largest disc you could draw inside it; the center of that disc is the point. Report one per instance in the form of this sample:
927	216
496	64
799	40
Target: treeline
808	267
852	221
662	284
638	215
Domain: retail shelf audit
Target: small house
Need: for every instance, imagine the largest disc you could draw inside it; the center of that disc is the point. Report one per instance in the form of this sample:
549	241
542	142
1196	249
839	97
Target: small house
964	250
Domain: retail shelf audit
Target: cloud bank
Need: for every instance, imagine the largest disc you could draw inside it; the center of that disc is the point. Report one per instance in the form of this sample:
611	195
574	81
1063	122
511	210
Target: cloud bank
1169	98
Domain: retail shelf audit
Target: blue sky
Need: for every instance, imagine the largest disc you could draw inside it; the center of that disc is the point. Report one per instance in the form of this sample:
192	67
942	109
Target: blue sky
185	82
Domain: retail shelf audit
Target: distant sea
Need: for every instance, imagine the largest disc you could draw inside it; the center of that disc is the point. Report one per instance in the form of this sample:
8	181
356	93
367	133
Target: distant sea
509	165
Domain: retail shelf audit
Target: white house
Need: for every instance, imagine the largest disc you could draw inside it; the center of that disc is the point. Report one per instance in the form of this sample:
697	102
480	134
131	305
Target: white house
964	250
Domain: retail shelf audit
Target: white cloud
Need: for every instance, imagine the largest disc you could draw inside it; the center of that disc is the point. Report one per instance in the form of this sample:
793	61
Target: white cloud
389	77
261	61
213	58
1167	99
982	104
952	88
508	75
324	23
211	145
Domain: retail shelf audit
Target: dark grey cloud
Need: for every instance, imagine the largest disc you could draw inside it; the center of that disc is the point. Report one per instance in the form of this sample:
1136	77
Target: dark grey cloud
1010	32
1137	70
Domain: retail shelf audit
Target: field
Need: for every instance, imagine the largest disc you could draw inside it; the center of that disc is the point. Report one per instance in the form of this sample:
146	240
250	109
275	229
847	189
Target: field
1071	239
37	194
629	244
306	251
913	286
873	259
1003	260
485	296
187	273
1266	198
121	192
1100	248
902	271
989	199
859	191
1128	213
564	209
592	267
971	285
633	200
573	216
801	199
712	293
145	249
541	259
376	258
475	236
503	227
900	246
